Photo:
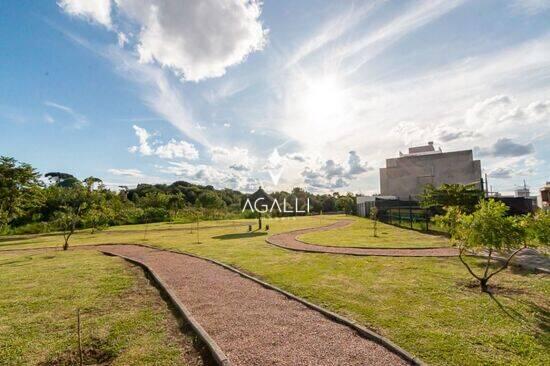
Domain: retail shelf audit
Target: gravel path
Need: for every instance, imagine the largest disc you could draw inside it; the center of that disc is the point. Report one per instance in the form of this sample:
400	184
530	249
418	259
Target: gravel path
254	325
289	240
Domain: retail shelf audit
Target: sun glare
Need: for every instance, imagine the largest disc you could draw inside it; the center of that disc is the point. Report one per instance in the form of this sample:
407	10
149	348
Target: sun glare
324	101
321	106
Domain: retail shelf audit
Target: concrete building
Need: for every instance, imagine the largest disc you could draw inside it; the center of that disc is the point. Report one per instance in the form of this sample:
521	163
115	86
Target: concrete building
543	199
408	174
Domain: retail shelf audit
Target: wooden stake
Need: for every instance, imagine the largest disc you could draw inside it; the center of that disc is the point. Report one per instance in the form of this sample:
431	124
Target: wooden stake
79	337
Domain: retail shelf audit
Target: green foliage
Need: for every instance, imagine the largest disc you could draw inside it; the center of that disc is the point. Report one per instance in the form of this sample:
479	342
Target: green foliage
64	180
346	203
155	214
18	189
465	197
490	230
209	199
25	202
538	229
449	221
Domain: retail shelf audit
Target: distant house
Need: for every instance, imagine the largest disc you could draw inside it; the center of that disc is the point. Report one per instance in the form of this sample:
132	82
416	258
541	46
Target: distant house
407	175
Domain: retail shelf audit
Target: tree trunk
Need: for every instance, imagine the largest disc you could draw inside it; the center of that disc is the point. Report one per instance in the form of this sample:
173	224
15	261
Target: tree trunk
260	221
483	284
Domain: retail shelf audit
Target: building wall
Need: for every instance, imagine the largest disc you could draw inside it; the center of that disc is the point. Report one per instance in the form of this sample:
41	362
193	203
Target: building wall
407	175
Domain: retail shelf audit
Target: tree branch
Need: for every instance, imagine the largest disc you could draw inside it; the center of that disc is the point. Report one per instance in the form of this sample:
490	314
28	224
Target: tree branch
488	263
466	265
505	264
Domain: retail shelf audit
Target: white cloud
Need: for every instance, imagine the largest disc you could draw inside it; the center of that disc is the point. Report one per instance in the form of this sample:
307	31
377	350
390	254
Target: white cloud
206	174
122	39
231	156
502	112
227	124
296	157
333	175
126	172
225	90
177	149
332	30
196	39
173	149
143	136
78	120
417	15
94	10
48	118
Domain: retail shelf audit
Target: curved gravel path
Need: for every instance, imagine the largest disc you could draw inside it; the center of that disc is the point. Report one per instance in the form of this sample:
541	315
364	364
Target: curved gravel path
252	324
289	240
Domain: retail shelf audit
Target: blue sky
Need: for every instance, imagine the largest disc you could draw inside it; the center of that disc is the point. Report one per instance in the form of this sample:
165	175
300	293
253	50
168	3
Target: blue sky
282	93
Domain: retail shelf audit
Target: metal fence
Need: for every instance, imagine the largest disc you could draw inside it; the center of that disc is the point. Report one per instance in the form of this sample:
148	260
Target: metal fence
413	217
401	213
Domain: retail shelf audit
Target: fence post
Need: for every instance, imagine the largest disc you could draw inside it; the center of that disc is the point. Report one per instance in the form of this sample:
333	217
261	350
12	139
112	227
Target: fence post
399	215
389	219
410	212
426	218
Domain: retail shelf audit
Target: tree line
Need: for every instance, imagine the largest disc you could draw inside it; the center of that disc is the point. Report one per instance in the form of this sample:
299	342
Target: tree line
64	202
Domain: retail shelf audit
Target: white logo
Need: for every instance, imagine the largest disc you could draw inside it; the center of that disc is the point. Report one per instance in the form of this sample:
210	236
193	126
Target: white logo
262	207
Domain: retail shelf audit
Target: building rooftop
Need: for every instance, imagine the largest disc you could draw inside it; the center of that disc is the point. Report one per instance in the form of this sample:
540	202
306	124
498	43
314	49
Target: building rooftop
422	150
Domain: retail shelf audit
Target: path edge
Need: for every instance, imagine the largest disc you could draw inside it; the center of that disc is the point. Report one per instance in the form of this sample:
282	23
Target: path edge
267	240
363	331
349	223
219	356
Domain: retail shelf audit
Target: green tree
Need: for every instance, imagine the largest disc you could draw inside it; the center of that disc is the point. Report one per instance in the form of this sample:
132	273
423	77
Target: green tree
75	202
62	179
209	199
90	181
19	189
346	203
176	202
487	229
466	197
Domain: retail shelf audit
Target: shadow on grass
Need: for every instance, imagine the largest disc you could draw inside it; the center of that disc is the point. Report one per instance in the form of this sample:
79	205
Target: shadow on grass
240	235
26	237
17	261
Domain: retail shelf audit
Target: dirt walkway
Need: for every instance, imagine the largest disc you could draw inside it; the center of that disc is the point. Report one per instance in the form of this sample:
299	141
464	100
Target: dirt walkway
254	325
289	240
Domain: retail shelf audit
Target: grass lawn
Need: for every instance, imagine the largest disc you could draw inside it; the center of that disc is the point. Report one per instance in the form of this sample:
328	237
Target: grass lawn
360	234
423	304
124	320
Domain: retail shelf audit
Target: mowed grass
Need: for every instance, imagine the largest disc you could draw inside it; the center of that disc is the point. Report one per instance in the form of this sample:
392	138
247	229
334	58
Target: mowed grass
425	305
124	320
361	234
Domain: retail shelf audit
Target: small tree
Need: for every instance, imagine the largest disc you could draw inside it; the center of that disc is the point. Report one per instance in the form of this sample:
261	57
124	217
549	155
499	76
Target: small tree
373	214
488	229
71	213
